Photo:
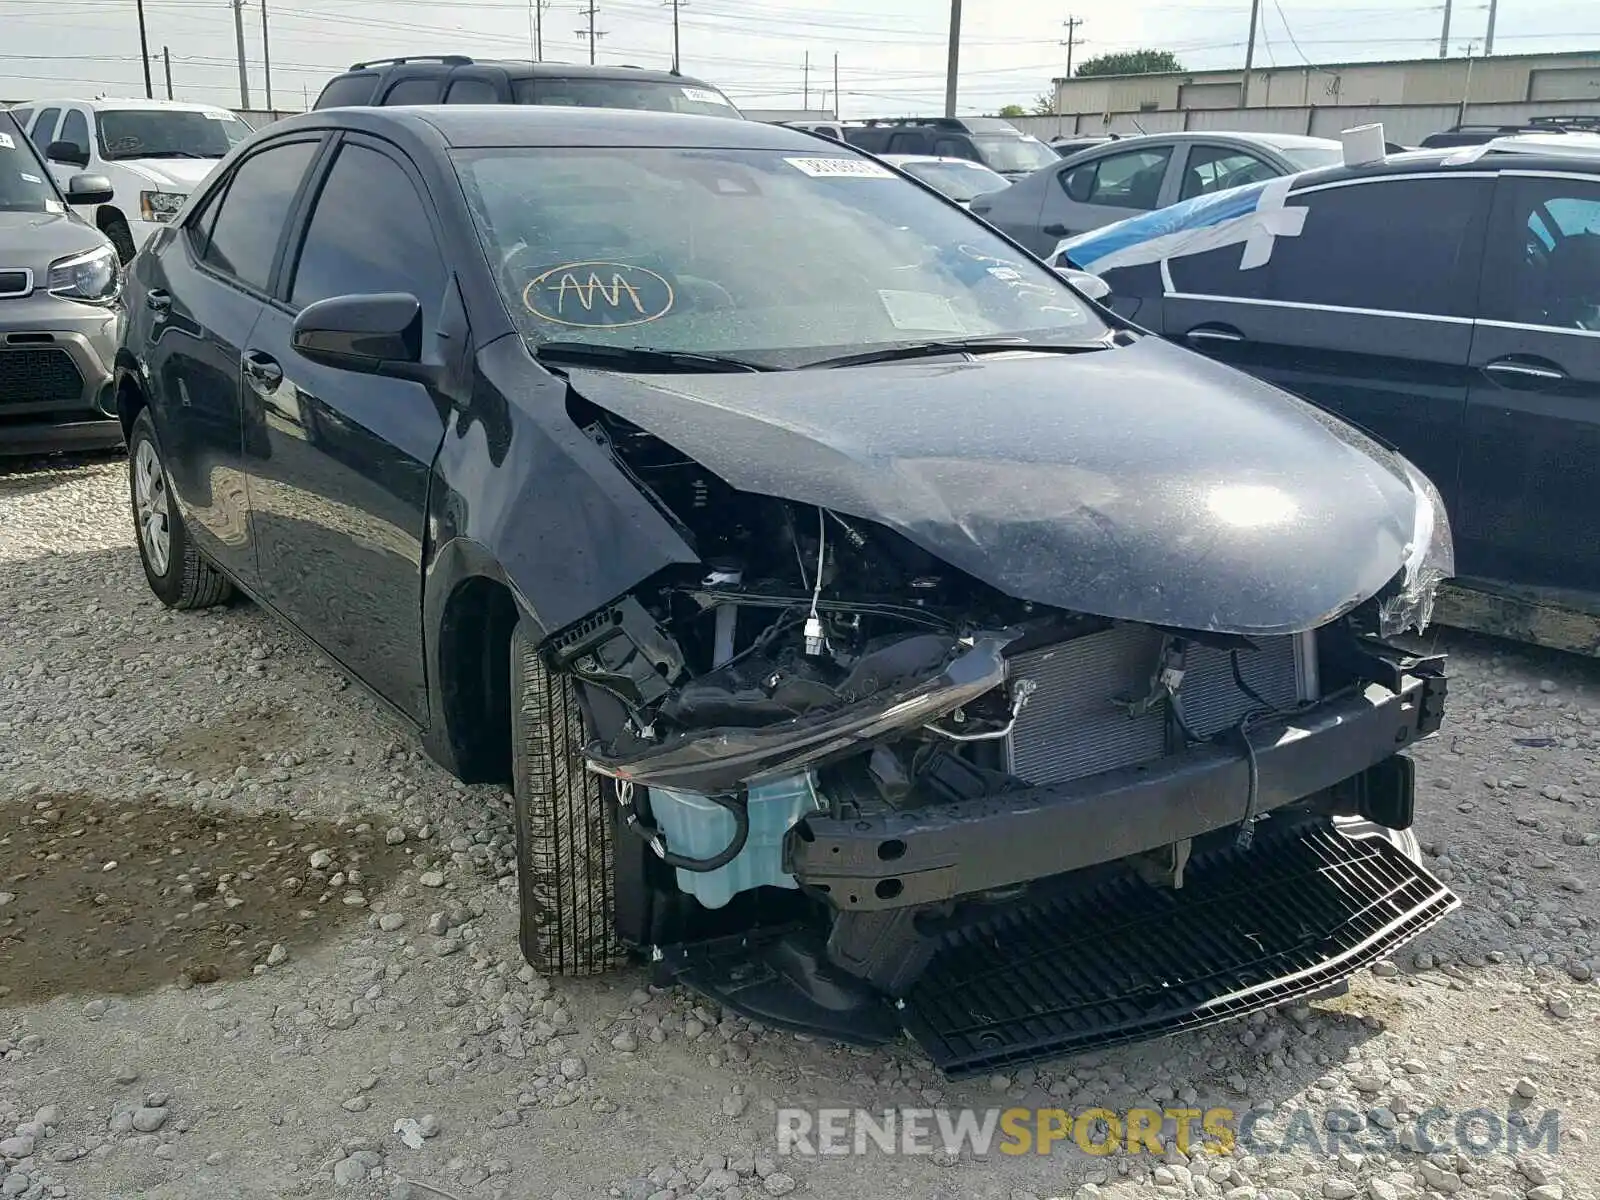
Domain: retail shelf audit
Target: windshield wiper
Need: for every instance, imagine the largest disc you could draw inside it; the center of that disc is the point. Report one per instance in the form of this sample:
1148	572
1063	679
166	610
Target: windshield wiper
977	345
642	358
167	154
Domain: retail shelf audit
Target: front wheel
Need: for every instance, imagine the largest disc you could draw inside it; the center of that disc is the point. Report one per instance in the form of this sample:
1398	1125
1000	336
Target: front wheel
177	573
564	852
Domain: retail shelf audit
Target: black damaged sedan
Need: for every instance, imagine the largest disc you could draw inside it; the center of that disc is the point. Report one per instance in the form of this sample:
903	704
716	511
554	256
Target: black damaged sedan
875	634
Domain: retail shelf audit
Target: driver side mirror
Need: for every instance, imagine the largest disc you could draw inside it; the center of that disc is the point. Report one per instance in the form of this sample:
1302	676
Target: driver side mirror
1080	183
89	189
371	335
68	153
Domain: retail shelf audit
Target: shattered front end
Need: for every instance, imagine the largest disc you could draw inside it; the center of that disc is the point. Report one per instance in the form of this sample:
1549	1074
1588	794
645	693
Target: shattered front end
860	791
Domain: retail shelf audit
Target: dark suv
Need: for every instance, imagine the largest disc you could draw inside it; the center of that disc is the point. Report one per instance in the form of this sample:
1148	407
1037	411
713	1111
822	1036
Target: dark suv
996	143
456	79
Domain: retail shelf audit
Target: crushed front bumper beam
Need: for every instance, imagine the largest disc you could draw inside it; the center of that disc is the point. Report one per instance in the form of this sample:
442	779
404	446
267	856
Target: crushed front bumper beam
938	853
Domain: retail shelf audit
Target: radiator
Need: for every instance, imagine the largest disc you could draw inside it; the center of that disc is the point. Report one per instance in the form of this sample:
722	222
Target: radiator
1073	724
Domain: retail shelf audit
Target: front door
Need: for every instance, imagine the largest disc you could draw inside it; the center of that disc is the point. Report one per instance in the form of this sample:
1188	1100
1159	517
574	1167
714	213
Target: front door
1366	310
1530	472
339	486
1106	188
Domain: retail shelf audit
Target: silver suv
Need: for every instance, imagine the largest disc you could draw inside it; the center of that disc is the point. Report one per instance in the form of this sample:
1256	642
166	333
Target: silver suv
60	308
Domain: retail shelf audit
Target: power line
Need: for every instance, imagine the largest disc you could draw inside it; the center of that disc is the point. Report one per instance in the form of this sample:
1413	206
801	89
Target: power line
1072	24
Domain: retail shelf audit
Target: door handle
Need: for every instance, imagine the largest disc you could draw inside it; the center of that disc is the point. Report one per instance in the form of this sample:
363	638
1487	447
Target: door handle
262	370
1528	371
1203	335
158	302
1057	231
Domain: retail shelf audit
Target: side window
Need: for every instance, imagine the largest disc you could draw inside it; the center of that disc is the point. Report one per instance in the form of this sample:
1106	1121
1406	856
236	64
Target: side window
44	128
349	90
413	91
1131	179
471	91
353	246
1405	245
1543	253
908	143
244	237
1218	168
75	129
20	116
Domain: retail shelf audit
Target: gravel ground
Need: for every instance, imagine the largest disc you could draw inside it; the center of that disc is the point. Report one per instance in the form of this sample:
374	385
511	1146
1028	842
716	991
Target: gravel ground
253	944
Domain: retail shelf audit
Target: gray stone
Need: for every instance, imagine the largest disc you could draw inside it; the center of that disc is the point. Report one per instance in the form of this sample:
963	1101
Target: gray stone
779	1184
148	1120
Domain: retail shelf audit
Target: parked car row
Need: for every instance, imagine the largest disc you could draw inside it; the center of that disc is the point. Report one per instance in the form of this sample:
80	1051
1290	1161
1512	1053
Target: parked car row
1446	301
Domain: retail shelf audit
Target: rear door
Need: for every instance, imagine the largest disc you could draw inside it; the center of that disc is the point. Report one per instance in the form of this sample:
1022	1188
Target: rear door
1367	310
203	293
1530	471
421	86
1101	189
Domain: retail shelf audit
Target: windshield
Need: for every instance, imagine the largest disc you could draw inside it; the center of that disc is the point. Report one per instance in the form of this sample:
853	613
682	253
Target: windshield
1008	152
169	133
648	94
24	183
1309	158
772	257
960	181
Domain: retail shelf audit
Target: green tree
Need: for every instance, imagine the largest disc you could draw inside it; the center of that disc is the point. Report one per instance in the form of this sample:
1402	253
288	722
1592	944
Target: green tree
1044	105
1129	62
1013	110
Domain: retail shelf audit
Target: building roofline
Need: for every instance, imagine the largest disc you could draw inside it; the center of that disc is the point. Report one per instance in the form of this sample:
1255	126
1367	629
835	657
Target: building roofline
1549	56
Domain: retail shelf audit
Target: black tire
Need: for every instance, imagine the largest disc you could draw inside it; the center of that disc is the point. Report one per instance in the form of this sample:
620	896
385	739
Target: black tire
121	239
565	866
186	580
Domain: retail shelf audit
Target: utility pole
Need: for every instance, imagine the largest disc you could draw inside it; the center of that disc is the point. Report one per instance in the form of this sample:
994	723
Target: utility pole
836	104
144	53
536	10
1444	34
953	66
1072	24
806	103
1488	34
590	33
266	55
1249	54
238	33
675	59
166	60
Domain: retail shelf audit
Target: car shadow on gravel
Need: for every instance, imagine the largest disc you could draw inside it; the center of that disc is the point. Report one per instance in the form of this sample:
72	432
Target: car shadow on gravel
100	897
20	476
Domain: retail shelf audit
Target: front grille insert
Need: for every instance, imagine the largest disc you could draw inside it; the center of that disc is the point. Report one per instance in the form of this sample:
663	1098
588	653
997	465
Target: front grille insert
1073	725
38	375
15	281
1114	959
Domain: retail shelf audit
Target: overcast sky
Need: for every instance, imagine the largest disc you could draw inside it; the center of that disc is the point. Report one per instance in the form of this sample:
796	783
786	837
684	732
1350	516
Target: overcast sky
891	53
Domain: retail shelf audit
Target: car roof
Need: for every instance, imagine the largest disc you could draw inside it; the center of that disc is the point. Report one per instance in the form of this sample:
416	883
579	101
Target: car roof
1524	151
1278	141
463	126
527	69
114	102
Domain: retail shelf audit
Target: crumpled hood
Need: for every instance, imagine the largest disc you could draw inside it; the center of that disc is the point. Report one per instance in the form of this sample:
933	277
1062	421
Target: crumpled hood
1143	483
169	174
36	239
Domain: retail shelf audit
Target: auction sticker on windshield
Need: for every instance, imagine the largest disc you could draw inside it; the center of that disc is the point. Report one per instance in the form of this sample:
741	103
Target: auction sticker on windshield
840	168
921	311
6	143
703	96
598	293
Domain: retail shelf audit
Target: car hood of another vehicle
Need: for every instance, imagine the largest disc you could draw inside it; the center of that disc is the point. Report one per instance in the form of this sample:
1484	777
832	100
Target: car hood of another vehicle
34	240
1142	483
168	174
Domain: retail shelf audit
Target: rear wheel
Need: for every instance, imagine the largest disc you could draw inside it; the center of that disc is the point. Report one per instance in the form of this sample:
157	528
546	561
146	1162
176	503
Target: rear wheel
564	850
177	573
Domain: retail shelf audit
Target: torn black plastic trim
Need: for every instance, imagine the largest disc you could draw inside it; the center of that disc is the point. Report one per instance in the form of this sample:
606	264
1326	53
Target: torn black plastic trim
707	761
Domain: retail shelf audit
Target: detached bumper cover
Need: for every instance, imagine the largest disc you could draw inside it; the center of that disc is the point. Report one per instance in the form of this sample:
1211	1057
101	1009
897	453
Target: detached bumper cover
941	852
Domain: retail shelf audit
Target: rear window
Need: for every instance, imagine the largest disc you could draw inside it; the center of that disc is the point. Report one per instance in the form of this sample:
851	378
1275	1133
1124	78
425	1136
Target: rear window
348	90
648	94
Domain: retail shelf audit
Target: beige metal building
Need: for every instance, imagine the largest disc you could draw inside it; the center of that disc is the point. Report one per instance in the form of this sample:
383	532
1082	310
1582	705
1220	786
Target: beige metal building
1412	97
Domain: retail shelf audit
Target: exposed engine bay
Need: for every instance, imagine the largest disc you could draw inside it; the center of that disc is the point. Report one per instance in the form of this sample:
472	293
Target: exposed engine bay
852	759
